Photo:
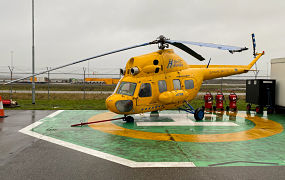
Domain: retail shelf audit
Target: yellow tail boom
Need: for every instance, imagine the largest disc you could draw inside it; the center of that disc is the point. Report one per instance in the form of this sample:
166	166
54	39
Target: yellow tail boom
216	71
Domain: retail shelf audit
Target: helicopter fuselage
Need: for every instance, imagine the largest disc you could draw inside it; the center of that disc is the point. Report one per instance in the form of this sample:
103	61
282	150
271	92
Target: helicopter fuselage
162	80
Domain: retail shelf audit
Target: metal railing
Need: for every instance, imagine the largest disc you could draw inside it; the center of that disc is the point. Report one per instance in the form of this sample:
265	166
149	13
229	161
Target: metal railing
75	83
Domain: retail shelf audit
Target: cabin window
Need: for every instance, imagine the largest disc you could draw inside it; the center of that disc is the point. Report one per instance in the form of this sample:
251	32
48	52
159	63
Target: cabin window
189	84
145	90
176	84
127	88
162	86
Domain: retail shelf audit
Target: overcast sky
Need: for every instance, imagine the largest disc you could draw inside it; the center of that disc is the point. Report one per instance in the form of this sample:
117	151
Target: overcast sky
68	30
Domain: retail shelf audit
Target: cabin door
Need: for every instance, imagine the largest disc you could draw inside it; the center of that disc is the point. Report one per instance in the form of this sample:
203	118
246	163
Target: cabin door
145	95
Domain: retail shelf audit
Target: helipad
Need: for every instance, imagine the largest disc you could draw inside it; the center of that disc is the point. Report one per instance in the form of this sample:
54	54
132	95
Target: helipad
171	140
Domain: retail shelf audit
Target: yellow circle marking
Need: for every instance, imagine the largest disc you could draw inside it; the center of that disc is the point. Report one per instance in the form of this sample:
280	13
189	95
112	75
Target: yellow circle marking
263	128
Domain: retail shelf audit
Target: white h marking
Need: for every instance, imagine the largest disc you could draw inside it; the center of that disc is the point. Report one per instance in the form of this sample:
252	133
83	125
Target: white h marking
182	120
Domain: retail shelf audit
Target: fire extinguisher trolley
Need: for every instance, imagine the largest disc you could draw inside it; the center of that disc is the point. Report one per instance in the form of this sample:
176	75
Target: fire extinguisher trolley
219	101
208	99
233	102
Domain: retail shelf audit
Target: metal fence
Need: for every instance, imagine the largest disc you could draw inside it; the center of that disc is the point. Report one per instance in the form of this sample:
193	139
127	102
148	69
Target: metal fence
70	83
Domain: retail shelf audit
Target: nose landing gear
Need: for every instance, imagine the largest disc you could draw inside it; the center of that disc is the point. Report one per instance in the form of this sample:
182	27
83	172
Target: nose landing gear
128	119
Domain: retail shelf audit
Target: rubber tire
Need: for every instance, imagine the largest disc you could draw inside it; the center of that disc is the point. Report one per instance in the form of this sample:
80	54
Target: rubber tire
214	108
199	114
129	119
270	110
227	108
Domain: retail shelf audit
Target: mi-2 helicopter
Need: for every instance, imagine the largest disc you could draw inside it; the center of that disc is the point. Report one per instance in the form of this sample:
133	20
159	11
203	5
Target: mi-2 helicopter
162	80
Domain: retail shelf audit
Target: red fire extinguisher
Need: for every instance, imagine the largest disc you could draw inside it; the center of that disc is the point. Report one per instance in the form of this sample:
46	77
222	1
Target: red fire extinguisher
208	98
9	103
219	101
233	101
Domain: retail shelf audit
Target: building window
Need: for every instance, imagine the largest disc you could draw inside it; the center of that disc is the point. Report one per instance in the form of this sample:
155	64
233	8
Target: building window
162	86
145	90
176	84
189	84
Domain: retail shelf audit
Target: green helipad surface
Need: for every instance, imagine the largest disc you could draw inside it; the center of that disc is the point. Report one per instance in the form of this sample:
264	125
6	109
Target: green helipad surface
219	140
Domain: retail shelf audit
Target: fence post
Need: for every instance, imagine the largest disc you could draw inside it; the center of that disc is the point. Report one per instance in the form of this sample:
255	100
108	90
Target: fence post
84	70
11	68
221	84
48	82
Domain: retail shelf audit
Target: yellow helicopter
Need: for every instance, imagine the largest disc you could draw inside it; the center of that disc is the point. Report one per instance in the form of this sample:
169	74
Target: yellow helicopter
162	80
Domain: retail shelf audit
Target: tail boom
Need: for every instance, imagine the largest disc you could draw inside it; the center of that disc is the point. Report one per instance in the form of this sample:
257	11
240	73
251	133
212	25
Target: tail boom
216	71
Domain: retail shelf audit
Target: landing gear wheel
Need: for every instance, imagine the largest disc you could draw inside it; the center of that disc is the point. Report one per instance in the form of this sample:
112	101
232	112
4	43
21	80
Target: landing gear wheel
214	108
129	119
199	114
227	108
270	110
248	107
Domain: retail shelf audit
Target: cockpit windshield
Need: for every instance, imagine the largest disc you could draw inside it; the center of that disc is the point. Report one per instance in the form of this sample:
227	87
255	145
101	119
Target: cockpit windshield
127	88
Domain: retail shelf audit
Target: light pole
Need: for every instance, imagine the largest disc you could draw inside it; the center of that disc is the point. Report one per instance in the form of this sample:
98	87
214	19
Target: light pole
48	81
12	53
11	68
84	71
88	68
33	57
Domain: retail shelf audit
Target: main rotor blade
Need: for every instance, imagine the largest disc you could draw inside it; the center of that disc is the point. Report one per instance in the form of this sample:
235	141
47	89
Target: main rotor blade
187	49
231	49
80	61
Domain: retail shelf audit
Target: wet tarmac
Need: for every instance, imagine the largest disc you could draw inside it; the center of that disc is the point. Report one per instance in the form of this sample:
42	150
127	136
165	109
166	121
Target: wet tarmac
26	157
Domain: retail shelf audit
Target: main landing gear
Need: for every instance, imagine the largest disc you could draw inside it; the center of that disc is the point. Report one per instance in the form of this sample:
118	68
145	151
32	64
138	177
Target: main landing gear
198	113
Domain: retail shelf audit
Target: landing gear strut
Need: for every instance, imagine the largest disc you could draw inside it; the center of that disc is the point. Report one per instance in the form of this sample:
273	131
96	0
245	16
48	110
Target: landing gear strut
198	113
128	119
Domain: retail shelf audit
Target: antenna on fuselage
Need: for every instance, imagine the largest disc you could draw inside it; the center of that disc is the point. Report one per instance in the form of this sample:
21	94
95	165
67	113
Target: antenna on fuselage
208	63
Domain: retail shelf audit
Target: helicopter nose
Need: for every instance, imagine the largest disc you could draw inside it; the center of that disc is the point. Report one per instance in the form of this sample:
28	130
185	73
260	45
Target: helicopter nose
119	105
124	105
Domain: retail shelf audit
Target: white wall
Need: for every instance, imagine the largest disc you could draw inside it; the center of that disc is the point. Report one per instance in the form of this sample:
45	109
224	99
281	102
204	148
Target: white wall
278	73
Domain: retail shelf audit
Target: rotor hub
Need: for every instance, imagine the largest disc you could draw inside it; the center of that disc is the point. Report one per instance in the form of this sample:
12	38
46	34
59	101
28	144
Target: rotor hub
161	42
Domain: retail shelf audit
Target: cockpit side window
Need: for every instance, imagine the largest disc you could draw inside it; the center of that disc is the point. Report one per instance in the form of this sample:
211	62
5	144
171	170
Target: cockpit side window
127	88
145	90
162	86
176	84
